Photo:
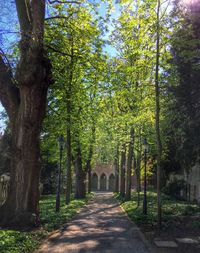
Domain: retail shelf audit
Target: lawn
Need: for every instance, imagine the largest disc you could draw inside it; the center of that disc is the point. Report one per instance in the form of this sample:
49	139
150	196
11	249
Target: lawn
180	219
12	241
171	209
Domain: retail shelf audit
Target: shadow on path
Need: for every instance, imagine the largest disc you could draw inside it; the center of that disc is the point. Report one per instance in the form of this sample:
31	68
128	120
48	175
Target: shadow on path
100	227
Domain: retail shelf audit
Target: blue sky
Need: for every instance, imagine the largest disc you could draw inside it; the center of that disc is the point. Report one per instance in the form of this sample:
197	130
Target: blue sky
8	31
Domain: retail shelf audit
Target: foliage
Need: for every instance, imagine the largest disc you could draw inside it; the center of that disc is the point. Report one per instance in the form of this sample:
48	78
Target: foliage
51	220
182	112
13	241
171	208
175	187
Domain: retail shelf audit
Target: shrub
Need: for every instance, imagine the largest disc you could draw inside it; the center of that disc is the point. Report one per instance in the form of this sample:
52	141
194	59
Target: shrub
175	187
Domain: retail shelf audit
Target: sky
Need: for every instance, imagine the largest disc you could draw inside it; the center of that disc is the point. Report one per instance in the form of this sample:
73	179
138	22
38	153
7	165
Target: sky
8	32
9	35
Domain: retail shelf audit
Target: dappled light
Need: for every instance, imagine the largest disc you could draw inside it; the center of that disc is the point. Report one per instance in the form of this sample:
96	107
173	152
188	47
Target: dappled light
100	96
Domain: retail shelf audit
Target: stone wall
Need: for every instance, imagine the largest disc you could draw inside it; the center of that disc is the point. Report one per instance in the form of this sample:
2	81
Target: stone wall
4	187
193	182
103	177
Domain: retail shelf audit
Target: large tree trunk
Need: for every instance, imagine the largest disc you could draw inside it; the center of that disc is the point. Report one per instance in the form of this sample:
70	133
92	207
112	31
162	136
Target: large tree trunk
23	198
122	171
129	165
25	102
80	186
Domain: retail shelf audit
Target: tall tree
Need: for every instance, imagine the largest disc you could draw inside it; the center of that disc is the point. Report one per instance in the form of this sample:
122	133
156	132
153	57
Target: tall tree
157	121
24	98
129	165
123	171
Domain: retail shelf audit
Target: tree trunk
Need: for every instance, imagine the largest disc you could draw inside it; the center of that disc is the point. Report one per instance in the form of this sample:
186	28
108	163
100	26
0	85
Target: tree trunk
116	164
80	187
68	124
122	171
21	207
138	172
89	180
129	165
25	102
157	123
88	162
69	176
88	168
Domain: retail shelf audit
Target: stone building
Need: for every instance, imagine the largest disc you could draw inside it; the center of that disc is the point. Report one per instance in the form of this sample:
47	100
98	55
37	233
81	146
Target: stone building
192	179
103	177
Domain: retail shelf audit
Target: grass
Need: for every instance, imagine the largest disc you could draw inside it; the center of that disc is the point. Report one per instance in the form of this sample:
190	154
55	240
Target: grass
171	208
12	241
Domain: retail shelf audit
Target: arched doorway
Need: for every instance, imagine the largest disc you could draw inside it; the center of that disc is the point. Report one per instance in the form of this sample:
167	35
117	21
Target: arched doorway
111	182
103	182
94	182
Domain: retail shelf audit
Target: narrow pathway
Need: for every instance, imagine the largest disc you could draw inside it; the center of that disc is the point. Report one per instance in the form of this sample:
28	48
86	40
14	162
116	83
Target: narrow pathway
100	227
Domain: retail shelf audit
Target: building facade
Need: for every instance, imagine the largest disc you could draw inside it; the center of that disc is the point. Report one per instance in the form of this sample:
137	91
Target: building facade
103	177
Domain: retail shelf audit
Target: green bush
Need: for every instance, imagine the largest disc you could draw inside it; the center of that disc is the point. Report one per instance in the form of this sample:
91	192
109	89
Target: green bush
175	187
189	210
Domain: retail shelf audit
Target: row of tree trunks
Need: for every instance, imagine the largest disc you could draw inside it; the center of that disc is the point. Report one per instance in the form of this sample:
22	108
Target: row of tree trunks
128	163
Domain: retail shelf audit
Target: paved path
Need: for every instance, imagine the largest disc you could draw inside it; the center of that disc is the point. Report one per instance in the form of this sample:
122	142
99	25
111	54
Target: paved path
100	227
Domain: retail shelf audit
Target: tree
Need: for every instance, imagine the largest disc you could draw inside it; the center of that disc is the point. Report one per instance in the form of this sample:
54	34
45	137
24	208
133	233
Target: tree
24	98
157	120
129	165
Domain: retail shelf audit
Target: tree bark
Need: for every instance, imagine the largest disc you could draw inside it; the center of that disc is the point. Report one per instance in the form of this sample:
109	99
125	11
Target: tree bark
89	160
80	186
68	124
138	172
129	166
116	165
122	171
157	123
25	105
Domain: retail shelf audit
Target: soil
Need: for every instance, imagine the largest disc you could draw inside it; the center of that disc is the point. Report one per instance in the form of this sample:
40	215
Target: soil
181	227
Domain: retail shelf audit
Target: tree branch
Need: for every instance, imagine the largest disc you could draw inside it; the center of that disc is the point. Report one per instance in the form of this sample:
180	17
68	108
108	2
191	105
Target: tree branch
62	53
38	10
24	16
58	51
64	2
9	93
61	17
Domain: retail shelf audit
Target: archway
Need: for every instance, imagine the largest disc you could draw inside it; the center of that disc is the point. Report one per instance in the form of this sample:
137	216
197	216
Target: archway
111	182
103	182
94	182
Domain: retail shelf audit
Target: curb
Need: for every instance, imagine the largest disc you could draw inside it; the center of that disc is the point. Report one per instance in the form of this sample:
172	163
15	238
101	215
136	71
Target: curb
141	235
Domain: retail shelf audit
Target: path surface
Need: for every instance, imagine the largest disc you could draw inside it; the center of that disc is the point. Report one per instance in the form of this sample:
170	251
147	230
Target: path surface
100	227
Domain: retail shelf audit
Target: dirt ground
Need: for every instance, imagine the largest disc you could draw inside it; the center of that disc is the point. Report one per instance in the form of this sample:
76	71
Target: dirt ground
182	227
